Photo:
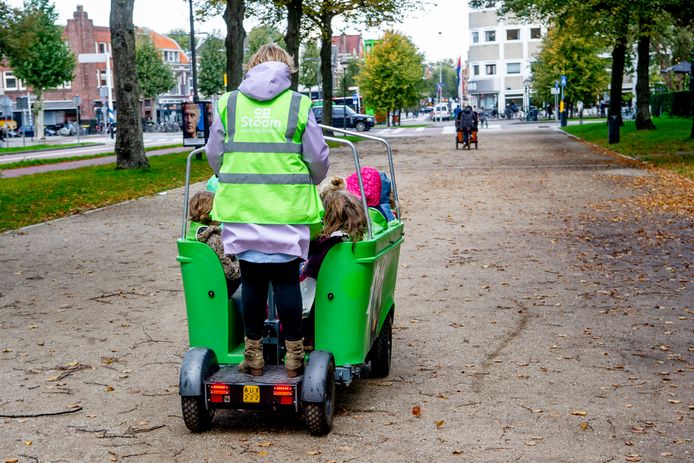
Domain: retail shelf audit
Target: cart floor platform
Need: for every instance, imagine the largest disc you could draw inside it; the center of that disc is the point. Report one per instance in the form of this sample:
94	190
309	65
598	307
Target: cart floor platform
272	374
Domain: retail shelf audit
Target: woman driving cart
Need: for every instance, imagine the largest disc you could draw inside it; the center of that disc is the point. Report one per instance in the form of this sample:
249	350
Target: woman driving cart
269	154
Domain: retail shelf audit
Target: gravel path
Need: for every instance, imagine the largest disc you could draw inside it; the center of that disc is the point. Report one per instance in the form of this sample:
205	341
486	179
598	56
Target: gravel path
541	316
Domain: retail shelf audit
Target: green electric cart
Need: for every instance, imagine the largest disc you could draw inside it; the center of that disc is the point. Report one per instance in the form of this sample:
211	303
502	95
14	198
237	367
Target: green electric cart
349	326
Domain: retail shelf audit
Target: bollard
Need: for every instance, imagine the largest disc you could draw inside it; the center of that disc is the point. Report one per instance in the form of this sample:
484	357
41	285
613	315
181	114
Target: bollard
613	129
563	119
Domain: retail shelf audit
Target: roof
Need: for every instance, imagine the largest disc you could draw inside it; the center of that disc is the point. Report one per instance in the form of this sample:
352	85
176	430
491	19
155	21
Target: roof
162	42
348	44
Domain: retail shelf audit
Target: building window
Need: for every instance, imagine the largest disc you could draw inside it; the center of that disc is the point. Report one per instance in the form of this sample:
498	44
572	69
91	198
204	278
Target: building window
101	78
11	82
490	69
475	69
535	33
475	37
513	68
513	34
103	47
490	36
171	56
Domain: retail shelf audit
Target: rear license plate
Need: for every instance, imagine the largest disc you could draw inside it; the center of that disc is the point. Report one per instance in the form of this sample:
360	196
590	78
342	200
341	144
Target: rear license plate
251	394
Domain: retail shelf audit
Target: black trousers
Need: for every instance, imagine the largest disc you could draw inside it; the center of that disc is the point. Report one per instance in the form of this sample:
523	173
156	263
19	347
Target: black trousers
255	281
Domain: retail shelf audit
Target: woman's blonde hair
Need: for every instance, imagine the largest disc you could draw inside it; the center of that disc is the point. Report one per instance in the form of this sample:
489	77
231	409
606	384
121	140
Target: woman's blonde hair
343	212
200	206
271	52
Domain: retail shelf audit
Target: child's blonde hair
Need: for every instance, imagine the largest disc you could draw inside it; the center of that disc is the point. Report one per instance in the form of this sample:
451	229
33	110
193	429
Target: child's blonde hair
200	206
271	52
333	183
343	212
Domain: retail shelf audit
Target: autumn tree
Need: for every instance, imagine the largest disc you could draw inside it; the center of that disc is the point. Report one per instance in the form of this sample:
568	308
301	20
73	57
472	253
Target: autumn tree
39	56
391	77
308	71
6	18
566	51
371	13
212	66
130	150
153	75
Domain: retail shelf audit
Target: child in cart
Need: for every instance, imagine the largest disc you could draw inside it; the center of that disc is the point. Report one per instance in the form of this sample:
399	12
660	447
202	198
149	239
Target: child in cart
467	123
207	231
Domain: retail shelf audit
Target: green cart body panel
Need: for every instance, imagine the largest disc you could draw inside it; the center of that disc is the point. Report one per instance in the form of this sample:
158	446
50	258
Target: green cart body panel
354	295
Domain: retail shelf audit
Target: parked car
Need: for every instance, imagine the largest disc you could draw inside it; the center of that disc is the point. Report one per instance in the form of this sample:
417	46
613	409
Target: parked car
344	116
25	130
441	112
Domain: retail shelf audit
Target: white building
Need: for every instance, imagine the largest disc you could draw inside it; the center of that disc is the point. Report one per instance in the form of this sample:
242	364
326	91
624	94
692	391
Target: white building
499	58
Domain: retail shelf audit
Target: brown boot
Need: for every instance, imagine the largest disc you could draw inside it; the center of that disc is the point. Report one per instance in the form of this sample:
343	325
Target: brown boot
294	359
253	361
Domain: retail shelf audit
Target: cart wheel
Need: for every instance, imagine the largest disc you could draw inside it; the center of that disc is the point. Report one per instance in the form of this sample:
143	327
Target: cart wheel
199	364
456	144
475	145
381	350
196	416
319	386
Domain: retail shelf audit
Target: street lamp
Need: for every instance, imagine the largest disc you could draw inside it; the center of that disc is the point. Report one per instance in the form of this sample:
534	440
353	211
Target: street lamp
192	53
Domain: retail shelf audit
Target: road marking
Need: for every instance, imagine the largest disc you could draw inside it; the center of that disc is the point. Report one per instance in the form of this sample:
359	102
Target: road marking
448	129
396	131
419	129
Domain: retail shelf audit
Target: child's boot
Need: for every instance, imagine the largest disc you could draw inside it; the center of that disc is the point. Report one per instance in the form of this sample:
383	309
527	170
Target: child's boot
253	361
294	358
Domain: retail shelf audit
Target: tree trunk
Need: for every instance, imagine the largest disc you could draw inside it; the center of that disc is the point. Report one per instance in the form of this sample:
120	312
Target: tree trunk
236	34
643	93
130	148
326	68
38	116
691	98
618	57
292	38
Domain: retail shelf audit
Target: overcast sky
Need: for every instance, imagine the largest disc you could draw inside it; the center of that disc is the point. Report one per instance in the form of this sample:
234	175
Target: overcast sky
446	16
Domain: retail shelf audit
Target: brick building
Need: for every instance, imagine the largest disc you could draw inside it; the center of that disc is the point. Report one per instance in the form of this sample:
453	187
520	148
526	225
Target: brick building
84	37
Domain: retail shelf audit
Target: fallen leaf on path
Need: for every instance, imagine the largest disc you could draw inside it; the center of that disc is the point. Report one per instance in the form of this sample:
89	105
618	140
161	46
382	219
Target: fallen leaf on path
633	457
263	453
665	454
72	364
584	426
673	401
313	452
417	411
11	460
439	423
264	444
457	452
27	443
579	413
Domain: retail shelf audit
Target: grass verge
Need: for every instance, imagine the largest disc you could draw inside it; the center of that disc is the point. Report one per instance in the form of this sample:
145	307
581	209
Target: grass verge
37	198
31	149
41	162
669	146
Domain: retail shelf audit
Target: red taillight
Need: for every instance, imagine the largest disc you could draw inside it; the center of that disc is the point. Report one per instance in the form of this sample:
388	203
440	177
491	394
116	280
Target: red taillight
219	389
283	391
286	400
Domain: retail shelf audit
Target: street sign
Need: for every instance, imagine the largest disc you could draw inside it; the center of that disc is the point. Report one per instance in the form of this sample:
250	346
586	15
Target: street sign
563	81
6	104
556	84
92	57
554	90
354	99
76	100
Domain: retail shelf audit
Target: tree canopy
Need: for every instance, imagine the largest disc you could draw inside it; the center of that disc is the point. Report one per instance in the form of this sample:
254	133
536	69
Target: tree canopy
212	66
391	77
39	55
154	76
567	52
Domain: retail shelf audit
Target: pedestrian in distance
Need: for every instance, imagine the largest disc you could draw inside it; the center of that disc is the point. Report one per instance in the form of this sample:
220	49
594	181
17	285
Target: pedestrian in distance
268	154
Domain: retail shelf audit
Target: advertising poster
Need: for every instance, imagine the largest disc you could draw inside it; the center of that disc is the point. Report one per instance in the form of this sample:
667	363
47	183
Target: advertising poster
196	122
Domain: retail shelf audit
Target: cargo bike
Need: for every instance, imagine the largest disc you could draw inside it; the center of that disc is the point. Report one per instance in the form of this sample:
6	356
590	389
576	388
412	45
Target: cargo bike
349	325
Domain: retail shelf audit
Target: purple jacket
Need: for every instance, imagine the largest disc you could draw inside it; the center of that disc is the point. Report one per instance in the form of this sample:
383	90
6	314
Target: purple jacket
264	82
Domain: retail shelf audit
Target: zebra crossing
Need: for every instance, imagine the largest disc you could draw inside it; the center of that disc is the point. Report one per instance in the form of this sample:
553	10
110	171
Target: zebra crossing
430	131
